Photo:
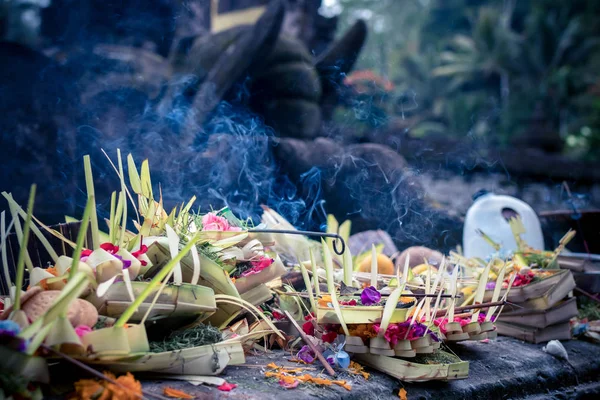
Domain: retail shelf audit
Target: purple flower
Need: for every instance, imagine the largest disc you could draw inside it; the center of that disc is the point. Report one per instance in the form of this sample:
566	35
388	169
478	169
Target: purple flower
126	263
418	330
306	354
434	337
9	327
490	285
330	357
8	335
370	296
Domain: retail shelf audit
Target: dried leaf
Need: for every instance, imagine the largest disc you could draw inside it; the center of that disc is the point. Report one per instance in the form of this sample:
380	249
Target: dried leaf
175	393
347	290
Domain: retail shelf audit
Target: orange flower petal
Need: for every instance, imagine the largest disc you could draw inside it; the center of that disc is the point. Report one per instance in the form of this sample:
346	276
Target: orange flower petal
402	394
127	389
342	384
324	300
177	394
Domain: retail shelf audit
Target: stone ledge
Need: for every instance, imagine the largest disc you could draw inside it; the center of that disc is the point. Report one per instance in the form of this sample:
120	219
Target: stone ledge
502	369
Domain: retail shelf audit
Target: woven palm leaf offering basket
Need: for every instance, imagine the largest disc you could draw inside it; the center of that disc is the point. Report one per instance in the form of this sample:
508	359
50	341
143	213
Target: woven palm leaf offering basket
182	271
526	278
388	327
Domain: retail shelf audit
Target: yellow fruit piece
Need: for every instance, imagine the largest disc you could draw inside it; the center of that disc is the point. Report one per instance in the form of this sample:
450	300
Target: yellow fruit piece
469	290
422	269
385	266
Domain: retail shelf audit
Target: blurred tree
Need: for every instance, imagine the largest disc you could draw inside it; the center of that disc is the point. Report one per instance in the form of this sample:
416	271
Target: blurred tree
521	72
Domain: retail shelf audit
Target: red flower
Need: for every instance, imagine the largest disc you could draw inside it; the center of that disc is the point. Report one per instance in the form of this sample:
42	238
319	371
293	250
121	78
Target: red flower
348	302
278	315
310	317
227	387
109	247
85	253
143	249
329	337
522	279
258	266
309	328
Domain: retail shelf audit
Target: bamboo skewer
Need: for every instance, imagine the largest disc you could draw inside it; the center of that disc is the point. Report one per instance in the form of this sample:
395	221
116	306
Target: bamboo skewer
310	344
374	266
415	295
441	313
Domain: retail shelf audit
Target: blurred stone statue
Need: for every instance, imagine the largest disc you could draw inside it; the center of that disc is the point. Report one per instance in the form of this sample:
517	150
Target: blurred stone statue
255	45
226	102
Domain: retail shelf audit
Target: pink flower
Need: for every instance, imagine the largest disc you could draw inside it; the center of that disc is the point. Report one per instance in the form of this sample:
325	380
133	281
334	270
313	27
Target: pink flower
82	330
227	387
393	333
291	385
212	222
441	323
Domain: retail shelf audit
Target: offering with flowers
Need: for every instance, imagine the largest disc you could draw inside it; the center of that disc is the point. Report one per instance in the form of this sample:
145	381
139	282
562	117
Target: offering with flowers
132	278
534	270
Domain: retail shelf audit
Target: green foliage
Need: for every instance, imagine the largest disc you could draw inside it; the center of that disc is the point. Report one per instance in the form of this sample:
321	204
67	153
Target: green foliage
588	309
196	336
489	68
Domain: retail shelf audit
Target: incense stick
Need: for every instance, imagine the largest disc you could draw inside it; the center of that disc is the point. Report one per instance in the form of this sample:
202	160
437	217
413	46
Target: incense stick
310	344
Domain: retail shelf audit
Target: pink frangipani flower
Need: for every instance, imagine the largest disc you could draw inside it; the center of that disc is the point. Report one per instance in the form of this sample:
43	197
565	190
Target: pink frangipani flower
213	222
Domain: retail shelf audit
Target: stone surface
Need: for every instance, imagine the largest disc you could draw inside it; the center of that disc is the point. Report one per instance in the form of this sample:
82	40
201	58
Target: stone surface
362	241
500	369
418	255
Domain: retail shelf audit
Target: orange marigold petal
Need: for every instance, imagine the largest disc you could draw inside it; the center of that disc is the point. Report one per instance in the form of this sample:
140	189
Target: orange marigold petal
324	300
176	393
272	366
343	384
87	389
128	389
402	394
